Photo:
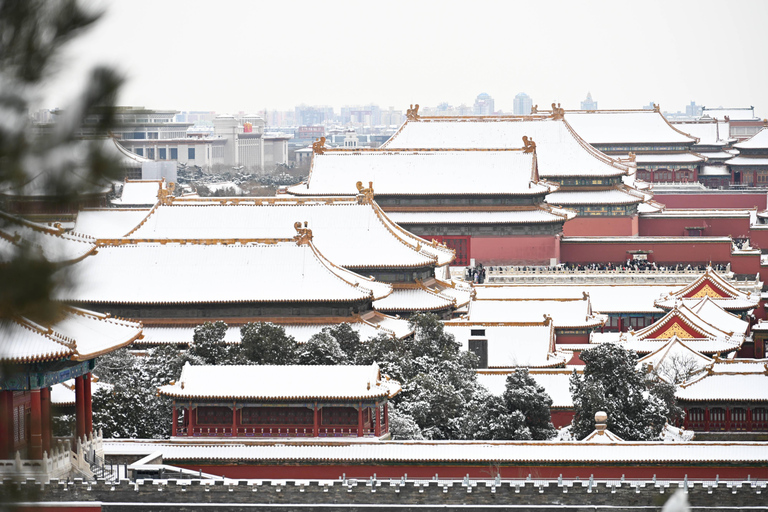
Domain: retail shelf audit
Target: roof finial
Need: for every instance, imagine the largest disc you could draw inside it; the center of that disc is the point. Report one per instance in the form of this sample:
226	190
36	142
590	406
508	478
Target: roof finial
530	146
303	234
656	107
412	113
364	195
601	422
535	109
318	147
557	112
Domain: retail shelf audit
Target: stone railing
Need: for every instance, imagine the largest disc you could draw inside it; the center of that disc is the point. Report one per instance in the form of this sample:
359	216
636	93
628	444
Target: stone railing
56	465
373	494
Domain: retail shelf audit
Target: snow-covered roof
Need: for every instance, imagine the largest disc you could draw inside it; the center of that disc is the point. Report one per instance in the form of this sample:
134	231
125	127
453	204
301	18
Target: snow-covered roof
350	233
714	170
712	285
673	158
555	382
746	160
710	213
413	299
559	149
542	215
565	313
674	351
277	383
625	127
423	172
108	222
139	193
485	452
709	309
615	196
512	345
620	298
734	114
50	242
271	271
757	141
710	133
78	335
728	381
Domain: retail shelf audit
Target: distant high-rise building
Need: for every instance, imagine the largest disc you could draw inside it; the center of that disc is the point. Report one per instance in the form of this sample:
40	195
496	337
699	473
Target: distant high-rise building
693	110
589	103
313	115
522	104
484	105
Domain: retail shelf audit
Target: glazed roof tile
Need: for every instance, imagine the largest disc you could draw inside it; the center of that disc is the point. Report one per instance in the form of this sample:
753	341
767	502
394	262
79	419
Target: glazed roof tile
109	222
614	196
537	216
414	299
555	382
757	141
625	127
728	381
565	313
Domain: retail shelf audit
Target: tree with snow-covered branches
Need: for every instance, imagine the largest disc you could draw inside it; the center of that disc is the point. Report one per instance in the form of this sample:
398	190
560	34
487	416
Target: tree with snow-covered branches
612	383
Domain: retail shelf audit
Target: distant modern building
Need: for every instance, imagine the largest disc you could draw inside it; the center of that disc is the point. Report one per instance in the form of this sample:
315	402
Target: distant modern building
484	105
693	110
589	103
366	115
522	104
311	115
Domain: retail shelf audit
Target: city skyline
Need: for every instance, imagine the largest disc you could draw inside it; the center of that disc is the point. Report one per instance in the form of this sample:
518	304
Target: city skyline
242	56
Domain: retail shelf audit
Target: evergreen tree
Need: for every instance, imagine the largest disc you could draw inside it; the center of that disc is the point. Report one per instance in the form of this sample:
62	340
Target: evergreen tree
208	343
523	394
267	343
321	349
612	383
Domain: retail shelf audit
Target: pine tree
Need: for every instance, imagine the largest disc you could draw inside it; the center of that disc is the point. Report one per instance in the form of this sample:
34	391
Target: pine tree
208	342
612	383
267	343
523	394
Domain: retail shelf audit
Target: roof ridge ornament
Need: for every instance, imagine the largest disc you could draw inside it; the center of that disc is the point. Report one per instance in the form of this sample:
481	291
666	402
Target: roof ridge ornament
364	195
535	109
318	147
412	114
303	234
529	145
557	112
656	107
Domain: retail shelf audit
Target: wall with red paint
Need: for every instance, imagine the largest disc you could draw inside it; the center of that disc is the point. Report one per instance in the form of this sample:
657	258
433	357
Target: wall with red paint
561	418
395	469
601	226
714	200
672	226
570	339
604	251
758	237
517	250
746	264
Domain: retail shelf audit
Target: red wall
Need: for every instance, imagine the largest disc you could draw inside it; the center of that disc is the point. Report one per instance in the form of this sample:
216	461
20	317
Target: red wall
696	251
517	250
670	226
570	339
427	470
758	238
601	226
733	200
746	264
561	418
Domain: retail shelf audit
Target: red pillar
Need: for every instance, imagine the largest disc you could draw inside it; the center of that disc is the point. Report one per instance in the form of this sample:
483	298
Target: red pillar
620	323
706	419
35	427
6	425
45	409
175	419
316	427
88	404
192	420
749	420
727	419
386	417
79	408
234	420
360	421
377	427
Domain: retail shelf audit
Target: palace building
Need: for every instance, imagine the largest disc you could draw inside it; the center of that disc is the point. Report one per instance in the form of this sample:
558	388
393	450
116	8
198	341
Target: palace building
599	188
715	145
504	181
281	401
717	290
750	167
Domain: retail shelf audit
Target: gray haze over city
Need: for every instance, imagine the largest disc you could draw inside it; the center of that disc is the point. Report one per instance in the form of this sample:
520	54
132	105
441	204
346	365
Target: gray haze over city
239	55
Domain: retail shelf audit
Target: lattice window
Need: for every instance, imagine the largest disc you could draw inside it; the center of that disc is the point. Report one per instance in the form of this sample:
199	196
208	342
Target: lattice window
214	416
277	416
340	416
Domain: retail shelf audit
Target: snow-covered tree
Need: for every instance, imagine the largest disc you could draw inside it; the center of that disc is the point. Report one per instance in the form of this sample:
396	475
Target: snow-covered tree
208	342
523	394
612	383
321	348
267	343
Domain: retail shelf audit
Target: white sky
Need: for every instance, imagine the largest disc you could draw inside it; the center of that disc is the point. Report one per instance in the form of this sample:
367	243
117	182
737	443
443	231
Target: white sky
233	55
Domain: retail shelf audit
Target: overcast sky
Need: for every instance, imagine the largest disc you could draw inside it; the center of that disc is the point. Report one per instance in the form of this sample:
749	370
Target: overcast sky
233	55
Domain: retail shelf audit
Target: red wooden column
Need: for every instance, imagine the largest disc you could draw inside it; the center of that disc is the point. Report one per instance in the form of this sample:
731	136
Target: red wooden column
6	425
45	409
749	420
706	419
316	427
377	426
727	419
386	417
174	419
192	420
79	408
234	420
360	420
88	404
35	427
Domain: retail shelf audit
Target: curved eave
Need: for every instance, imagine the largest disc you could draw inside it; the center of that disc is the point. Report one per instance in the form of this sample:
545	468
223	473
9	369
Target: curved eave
180	396
40	358
243	301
